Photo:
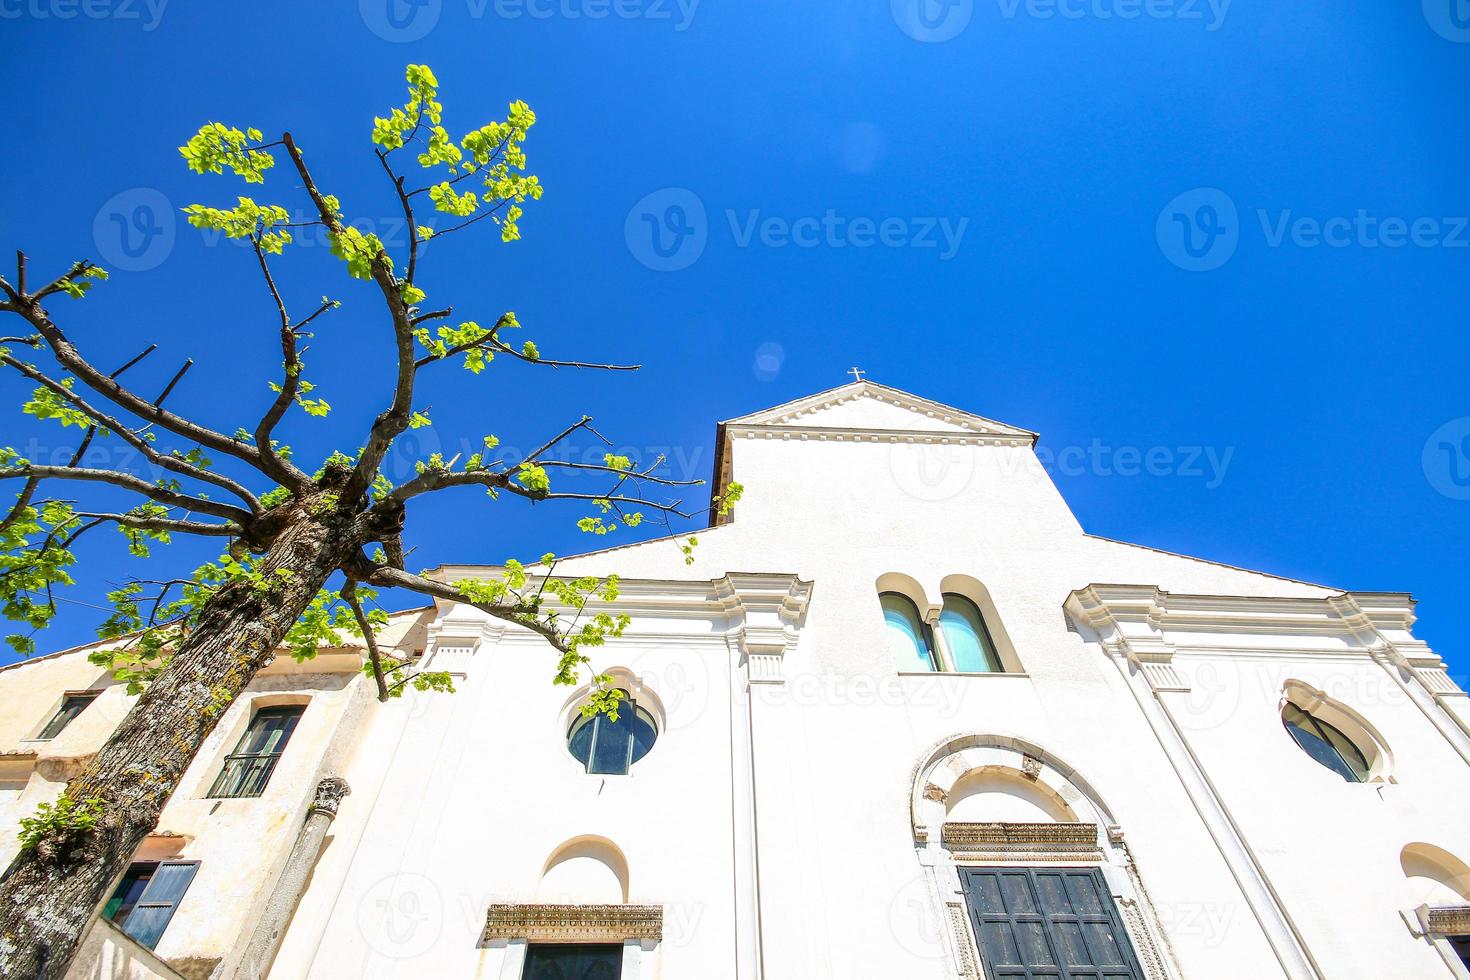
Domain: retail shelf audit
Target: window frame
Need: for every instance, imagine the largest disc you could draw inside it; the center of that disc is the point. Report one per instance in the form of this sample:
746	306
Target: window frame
246	779
143	902
87	697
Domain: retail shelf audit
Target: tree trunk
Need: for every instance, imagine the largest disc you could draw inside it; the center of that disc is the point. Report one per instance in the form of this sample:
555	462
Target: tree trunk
49	894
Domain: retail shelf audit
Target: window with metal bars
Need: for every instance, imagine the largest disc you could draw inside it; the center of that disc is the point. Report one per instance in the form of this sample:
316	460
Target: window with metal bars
248	769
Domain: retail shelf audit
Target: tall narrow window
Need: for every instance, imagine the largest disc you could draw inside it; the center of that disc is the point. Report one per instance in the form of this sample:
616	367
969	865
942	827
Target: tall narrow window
249	767
1326	744
147	897
608	747
967	637
908	636
71	706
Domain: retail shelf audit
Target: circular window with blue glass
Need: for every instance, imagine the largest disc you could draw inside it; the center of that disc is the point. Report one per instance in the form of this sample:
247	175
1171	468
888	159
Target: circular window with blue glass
610	746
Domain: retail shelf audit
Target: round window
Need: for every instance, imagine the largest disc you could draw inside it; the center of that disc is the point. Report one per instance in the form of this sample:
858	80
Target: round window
1326	744
610	746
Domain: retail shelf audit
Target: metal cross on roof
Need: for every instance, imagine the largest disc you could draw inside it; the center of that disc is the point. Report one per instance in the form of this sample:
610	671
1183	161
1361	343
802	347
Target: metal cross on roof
857	375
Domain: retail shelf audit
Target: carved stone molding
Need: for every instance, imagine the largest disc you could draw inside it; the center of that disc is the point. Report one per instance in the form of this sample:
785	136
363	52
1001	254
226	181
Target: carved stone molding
964	944
574	923
1450	920
1038	841
329	795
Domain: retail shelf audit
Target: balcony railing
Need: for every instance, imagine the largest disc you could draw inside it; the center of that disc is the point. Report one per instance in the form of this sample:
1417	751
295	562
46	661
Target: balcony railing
243	776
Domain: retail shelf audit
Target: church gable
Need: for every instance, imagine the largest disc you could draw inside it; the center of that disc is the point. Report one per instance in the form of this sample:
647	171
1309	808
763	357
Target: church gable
868	407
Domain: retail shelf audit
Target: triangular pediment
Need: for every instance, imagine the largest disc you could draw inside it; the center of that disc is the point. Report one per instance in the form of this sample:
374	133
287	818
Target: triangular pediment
865	406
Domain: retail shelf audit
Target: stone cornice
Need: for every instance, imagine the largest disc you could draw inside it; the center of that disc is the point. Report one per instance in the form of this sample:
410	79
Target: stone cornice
1148	625
822	433
758	613
574	923
946	419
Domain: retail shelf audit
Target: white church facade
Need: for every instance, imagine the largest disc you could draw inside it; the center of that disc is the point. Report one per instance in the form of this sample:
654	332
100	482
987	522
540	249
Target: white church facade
901	717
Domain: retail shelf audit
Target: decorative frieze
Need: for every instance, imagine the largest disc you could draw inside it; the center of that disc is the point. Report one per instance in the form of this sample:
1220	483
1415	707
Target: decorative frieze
574	923
1450	920
1039	841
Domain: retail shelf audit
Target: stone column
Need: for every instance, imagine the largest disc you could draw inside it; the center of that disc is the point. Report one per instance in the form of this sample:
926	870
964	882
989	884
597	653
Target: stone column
265	941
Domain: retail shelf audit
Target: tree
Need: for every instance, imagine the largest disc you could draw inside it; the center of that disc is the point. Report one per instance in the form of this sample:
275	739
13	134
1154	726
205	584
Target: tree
303	553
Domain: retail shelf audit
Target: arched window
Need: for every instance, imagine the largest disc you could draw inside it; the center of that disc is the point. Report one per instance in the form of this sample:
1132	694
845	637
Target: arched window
1326	744
610	747
908	636
966	636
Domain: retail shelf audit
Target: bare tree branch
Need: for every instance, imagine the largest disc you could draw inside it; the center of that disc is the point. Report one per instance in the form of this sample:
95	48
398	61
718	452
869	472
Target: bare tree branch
277	468
397	578
165	460
393	420
71	359
128	482
166	524
349	596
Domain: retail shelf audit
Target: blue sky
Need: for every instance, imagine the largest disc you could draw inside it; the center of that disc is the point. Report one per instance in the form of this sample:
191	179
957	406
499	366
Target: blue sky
1234	231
